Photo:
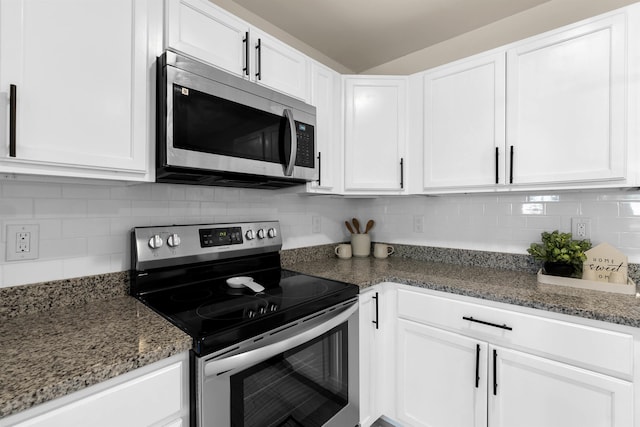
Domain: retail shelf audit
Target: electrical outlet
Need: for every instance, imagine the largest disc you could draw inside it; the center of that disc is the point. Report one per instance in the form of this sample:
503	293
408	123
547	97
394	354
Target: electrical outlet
418	223
22	242
316	224
581	228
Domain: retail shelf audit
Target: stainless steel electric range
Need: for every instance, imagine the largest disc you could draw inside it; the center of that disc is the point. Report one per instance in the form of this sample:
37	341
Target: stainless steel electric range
271	347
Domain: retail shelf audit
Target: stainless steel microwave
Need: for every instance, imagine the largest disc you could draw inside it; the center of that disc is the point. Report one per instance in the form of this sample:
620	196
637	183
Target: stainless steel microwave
214	128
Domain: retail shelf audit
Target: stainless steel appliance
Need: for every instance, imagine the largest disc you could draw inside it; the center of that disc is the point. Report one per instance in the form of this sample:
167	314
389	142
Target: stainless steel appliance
214	128
271	347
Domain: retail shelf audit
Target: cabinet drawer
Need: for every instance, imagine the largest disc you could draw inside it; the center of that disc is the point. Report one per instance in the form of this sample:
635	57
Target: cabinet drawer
601	350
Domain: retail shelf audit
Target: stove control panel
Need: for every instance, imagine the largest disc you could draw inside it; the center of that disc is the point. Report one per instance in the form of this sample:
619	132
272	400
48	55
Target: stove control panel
179	244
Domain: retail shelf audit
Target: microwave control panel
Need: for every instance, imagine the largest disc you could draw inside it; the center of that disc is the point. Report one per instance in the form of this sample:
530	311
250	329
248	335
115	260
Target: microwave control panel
306	147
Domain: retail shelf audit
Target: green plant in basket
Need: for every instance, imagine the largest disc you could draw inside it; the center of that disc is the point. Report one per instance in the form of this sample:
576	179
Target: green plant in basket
562	256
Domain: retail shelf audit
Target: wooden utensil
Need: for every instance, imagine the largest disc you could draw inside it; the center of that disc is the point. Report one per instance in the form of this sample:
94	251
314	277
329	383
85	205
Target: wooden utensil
369	226
349	227
356	225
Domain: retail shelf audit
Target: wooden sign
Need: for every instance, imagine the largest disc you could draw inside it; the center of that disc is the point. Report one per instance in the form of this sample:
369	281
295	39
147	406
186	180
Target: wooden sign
605	264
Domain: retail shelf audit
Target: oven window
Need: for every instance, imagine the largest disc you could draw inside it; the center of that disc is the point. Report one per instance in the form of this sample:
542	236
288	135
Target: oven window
305	386
209	124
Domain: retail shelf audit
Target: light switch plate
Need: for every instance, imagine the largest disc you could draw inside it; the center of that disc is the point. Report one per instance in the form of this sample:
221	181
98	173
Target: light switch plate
22	242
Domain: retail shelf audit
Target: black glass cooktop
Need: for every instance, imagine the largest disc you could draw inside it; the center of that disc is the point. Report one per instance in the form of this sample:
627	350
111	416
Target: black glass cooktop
217	315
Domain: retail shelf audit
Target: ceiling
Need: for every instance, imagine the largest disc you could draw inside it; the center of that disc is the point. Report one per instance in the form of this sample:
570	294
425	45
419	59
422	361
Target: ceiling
362	34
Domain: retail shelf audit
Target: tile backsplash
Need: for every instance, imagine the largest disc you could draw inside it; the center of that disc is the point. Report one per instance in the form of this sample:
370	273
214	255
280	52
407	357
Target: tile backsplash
84	229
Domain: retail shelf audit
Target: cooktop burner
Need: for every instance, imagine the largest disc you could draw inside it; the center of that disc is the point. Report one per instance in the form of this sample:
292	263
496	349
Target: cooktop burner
189	287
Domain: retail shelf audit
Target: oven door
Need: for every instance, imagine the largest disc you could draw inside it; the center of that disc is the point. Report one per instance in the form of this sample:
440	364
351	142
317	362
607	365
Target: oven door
302	374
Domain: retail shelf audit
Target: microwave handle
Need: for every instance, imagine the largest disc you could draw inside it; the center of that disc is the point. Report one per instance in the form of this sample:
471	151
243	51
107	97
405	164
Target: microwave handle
294	143
249	358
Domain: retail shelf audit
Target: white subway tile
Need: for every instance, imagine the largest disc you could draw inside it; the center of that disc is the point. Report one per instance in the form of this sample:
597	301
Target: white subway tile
16	208
132	192
25	272
168	192
31	190
149	208
199	193
60	208
109	208
85	227
79	191
87	266
63	248
107	245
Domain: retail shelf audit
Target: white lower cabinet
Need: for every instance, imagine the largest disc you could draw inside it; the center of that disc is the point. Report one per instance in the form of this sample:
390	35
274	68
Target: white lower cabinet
369	360
458	361
442	377
155	395
531	391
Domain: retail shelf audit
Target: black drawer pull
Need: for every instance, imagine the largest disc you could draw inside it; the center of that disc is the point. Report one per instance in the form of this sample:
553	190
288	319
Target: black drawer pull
477	365
495	325
13	102
495	372
376	321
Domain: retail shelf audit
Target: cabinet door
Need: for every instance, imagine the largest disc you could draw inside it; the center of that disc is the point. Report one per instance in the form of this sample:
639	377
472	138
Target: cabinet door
464	119
370	349
567	106
80	70
533	392
279	66
325	96
200	29
442	378
375	128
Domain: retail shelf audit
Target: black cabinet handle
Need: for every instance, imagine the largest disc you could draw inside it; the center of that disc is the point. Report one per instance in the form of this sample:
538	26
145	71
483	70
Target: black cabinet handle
246	53
13	100
319	168
495	325
511	165
495	372
259	50
376	321
401	173
477	365
497	160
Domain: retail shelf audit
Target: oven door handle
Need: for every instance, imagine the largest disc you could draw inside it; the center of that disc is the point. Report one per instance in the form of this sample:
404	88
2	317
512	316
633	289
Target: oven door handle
251	357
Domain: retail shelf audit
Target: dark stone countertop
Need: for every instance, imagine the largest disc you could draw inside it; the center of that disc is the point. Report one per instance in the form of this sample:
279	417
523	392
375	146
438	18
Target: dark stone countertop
506	286
49	353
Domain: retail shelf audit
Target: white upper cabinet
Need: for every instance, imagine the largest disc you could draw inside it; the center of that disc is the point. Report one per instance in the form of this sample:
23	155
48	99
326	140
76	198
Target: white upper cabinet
375	134
200	29
279	66
464	123
566	98
81	80
325	96
555	111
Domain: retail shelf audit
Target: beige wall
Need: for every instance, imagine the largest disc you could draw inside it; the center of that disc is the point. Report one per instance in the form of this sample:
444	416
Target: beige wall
267	27
547	16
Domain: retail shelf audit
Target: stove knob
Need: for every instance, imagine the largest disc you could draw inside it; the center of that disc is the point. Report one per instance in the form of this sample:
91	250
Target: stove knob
251	314
155	242
273	307
262	309
272	233
250	235
261	233
173	240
